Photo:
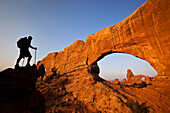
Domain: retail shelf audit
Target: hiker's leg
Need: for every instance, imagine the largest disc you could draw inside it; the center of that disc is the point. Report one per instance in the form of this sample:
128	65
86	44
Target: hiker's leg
21	55
29	59
18	60
28	54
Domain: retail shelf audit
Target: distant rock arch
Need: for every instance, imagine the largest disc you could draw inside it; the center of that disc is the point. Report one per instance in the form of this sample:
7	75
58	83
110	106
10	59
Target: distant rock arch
137	79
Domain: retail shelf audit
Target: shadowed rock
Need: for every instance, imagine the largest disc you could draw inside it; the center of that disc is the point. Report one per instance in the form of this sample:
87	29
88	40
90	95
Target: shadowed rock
18	93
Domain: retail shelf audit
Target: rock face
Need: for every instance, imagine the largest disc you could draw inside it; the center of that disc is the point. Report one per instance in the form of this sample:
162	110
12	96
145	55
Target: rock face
136	79
84	95
18	93
96	95
129	74
69	60
78	92
144	34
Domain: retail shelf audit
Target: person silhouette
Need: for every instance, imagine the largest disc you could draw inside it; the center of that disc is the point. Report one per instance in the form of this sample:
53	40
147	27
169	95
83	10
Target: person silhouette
25	44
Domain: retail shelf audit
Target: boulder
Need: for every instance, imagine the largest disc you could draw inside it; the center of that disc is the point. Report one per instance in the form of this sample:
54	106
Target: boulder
116	82
124	81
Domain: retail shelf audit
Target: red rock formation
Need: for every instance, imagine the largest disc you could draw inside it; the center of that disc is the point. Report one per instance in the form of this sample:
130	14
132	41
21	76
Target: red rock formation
124	81
69	60
84	94
18	93
116	82
129	74
97	96
137	79
144	34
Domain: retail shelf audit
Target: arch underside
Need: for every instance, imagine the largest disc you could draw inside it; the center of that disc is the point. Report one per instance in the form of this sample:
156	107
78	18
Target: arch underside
142	52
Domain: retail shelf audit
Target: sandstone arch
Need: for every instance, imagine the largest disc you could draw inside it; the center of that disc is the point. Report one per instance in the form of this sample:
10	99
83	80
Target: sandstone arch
144	34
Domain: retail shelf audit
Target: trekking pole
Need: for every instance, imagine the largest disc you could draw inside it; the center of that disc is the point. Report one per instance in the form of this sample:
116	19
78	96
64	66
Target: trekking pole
35	57
23	61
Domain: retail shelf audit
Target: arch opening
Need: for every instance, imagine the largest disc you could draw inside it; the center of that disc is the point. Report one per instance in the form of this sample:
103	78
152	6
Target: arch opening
143	79
115	65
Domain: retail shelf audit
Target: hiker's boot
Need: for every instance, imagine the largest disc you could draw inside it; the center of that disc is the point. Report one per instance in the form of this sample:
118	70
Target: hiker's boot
28	65
16	66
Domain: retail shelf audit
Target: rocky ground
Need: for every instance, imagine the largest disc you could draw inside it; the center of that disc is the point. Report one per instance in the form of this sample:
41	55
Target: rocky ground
142	34
79	92
18	93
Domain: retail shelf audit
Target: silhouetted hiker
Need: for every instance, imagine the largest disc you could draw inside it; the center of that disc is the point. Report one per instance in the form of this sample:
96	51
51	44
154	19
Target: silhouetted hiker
42	71
24	44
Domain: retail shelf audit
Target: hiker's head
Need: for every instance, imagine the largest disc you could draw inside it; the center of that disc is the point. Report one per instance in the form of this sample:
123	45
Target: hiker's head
30	37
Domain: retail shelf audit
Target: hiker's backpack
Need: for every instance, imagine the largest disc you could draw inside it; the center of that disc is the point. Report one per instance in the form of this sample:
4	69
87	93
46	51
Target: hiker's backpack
22	43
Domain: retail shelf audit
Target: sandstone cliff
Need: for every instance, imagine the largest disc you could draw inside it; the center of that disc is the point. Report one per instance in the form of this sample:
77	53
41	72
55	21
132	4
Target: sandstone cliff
144	34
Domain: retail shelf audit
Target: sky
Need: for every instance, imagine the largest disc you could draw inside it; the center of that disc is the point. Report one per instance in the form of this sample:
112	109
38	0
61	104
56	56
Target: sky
56	24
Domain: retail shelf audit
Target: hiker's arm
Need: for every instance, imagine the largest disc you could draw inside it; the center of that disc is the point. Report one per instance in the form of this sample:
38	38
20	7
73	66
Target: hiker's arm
33	47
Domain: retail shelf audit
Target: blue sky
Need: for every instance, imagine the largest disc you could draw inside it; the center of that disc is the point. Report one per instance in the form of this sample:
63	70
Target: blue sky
56	24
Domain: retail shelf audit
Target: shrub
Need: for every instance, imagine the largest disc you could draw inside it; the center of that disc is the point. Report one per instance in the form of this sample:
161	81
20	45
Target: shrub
40	80
61	81
139	108
54	110
64	93
67	104
136	108
58	74
48	93
57	103
62	104
128	104
48	78
69	75
42	87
